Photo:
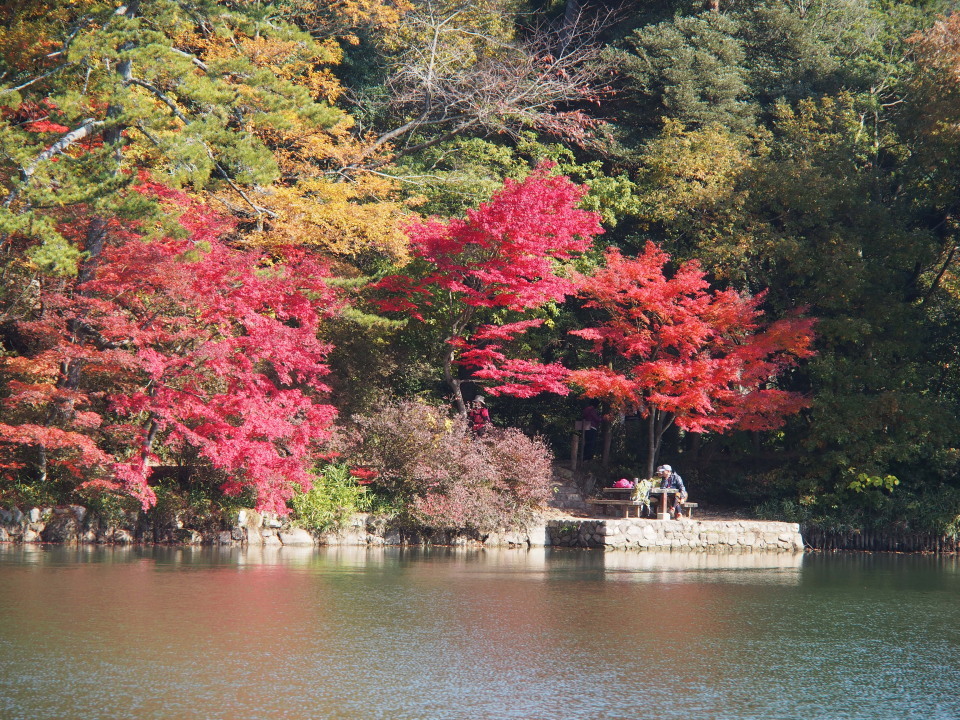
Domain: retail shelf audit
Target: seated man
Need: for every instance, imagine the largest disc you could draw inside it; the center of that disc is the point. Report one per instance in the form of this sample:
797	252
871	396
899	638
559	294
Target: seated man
671	481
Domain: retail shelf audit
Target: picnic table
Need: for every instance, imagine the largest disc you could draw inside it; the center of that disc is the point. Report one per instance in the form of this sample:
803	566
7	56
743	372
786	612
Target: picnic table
619	492
618	499
667	501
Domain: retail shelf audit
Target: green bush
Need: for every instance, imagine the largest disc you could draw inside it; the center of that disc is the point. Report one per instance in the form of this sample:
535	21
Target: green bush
106	508
333	500
23	491
201	506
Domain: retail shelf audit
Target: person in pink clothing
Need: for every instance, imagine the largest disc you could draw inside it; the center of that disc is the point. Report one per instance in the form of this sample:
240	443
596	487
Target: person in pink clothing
478	416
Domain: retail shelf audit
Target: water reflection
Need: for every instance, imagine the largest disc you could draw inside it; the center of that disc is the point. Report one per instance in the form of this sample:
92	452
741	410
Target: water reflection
699	567
395	633
533	560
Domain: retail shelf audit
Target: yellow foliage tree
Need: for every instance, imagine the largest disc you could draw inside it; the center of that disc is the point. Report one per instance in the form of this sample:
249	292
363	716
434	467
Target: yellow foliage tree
694	186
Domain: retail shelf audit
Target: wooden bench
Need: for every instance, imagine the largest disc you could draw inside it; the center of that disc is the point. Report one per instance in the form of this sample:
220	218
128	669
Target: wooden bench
622	505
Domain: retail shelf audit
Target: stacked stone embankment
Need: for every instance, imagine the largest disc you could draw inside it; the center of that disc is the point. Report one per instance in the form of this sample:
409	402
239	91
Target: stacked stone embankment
695	535
73	525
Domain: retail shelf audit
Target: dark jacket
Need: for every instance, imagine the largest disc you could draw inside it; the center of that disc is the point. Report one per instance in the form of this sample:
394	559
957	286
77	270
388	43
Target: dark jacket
673	481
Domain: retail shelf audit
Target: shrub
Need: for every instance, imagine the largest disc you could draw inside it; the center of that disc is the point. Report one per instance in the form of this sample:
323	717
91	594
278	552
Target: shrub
107	509
200	505
445	477
331	502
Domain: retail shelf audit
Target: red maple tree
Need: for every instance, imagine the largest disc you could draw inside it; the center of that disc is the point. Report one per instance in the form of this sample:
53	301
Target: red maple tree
478	278
181	341
685	354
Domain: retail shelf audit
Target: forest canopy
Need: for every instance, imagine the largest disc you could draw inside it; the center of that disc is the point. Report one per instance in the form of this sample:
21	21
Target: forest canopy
233	231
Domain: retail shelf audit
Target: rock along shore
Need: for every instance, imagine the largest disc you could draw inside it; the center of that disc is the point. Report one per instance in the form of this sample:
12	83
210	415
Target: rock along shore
72	524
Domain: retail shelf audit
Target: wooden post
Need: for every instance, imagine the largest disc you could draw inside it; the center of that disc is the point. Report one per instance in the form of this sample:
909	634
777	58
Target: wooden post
607	440
574	449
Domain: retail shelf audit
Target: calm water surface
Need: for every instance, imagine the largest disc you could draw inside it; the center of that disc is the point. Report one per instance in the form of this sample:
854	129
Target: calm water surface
396	634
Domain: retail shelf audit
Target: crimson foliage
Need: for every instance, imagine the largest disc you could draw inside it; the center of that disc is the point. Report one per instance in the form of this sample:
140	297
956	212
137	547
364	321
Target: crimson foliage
184	343
477	279
685	354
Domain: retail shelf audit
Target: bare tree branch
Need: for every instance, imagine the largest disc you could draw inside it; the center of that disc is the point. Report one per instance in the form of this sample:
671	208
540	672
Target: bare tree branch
26	173
258	210
193	58
160	95
461	77
36	79
943	270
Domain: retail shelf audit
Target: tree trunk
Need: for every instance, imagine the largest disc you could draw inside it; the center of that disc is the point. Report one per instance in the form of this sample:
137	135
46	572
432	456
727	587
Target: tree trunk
149	436
70	368
456	391
42	464
658	422
607	442
96	235
651	443
571	15
694	446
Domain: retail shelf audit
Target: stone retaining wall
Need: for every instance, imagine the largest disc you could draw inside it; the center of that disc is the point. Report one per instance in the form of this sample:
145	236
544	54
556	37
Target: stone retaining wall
72	525
691	535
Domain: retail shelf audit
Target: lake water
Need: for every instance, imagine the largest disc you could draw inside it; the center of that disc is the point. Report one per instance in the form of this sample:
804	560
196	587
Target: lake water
148	633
